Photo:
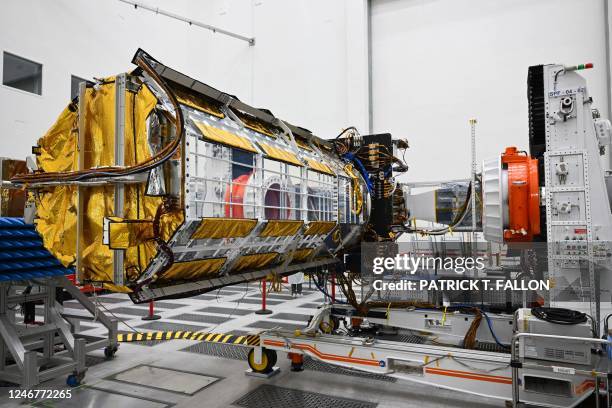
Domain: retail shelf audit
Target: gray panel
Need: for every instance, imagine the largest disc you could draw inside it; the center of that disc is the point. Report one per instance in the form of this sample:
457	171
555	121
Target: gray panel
278	296
226	311
165	379
132	311
227	292
163	305
316	365
272	396
241	286
73	305
111	299
85	327
404	338
238	332
258	301
290	316
230	351
201	318
169	326
205	296
268	324
493	347
312	305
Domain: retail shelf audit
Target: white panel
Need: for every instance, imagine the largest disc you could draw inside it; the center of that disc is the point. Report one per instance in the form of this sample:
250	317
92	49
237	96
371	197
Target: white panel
492	200
437	63
297	68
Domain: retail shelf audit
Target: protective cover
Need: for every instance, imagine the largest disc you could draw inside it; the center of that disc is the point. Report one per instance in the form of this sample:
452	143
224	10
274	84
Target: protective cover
56	206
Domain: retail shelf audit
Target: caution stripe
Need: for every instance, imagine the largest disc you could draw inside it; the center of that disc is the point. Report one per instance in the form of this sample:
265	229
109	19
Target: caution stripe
248	340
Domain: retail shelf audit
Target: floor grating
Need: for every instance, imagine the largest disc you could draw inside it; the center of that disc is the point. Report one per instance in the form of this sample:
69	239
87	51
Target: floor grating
316	365
290	316
225	310
164	305
131	311
494	347
278	296
205	296
258	301
170	326
272	396
269	324
227	292
404	338
109	299
192	317
230	351
311	305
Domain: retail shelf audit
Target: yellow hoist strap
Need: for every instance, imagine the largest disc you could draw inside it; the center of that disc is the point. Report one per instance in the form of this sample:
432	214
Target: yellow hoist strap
246	340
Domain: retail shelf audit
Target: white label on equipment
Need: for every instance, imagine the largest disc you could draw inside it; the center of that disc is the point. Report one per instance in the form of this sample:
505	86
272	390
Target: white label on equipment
564	370
564	92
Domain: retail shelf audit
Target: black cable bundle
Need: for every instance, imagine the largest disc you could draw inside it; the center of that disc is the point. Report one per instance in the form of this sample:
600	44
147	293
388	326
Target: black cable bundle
559	315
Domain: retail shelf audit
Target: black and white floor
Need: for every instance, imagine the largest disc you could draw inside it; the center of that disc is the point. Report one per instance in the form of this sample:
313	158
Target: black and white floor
188	373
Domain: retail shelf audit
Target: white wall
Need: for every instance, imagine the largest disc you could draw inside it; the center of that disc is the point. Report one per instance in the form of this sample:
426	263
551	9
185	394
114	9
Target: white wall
297	68
437	63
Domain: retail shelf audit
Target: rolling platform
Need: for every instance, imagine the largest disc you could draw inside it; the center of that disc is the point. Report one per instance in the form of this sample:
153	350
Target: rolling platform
34	351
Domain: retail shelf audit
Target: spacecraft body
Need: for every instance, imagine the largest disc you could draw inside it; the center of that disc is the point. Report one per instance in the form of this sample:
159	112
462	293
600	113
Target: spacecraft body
152	179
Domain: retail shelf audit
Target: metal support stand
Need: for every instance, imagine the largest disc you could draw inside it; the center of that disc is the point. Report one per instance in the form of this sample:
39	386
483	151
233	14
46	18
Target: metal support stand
333	287
263	310
33	348
151	315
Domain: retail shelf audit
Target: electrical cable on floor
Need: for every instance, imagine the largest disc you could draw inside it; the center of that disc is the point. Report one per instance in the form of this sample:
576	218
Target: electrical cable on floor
119	319
229	316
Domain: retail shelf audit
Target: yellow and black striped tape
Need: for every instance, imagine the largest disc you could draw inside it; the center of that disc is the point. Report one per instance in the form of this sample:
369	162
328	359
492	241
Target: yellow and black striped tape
247	340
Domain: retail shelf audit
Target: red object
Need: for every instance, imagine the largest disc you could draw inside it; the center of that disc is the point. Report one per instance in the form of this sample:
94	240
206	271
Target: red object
333	287
83	288
588	65
296	358
151	309
234	197
523	196
263	294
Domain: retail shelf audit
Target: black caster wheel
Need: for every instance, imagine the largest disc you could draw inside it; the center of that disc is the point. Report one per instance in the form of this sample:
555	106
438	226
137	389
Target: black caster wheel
268	360
74	380
109	352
